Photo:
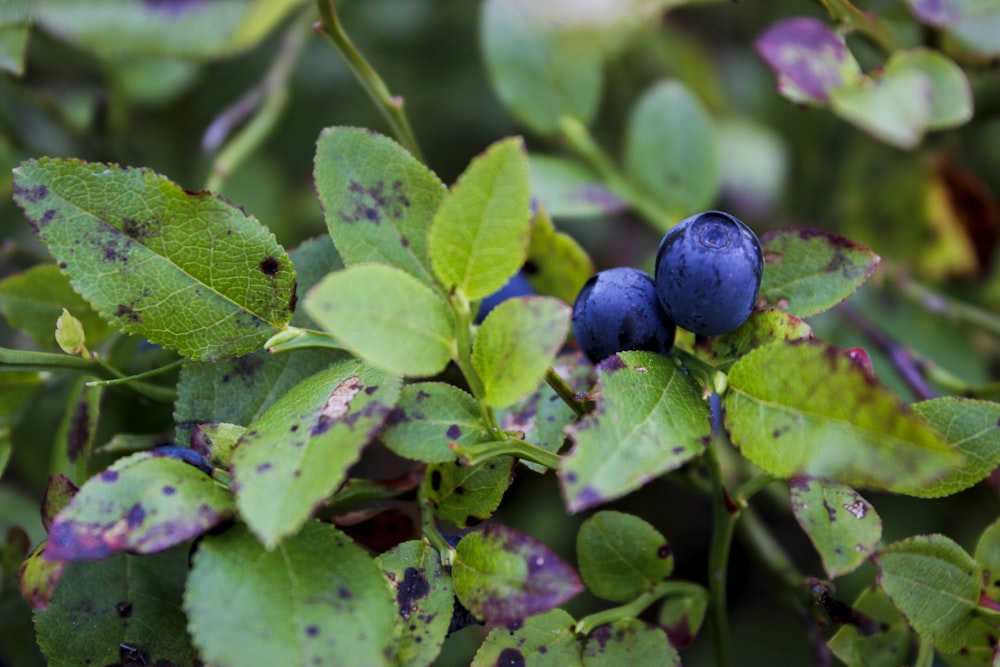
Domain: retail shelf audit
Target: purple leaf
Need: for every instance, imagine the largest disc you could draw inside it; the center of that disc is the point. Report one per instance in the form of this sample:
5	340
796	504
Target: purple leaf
937	13
807	54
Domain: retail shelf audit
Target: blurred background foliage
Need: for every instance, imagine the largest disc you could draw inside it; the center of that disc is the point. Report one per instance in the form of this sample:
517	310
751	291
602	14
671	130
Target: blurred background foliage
101	85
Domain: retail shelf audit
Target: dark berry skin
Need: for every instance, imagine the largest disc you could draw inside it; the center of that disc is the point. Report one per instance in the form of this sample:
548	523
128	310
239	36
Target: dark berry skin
516	286
708	272
618	310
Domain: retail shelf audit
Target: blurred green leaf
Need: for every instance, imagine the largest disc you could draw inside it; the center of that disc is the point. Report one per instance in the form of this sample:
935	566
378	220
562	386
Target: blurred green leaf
951	95
504	576
424	600
808	271
894	107
650	418
670	149
122	610
559	266
145	254
843	527
988	556
621	556
378	200
629	642
787	402
479	235
545	640
567	189
466	496
935	585
38	577
888	646
386	316
297	453
316	598
143	503
515	345
15	24
73	444
313	260
974	24
430	415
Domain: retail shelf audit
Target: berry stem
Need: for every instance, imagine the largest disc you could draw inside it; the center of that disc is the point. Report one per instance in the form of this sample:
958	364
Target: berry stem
430	531
472	455
632	609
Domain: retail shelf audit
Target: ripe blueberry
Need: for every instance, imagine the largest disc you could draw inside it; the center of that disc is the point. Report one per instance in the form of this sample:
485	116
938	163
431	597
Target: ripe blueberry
617	310
708	272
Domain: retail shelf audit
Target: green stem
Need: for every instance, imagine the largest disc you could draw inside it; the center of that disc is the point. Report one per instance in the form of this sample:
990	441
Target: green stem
462	357
139	376
430	531
475	454
566	393
865	23
925	654
939	304
390	106
274	91
751	487
632	609
710	376
724	524
582	143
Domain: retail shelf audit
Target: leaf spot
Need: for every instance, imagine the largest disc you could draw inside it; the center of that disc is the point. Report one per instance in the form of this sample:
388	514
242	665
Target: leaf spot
413	587
858	509
454	432
79	431
370	203
269	266
337	405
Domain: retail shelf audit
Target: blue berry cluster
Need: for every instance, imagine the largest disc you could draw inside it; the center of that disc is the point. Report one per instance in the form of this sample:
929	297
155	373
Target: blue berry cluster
708	270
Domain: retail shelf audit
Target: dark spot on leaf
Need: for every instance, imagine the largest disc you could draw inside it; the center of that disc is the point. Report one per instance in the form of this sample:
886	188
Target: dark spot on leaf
269	266
831	511
168	490
126	313
436	480
79	431
135	229
246	368
33	195
602	635
664	551
109	476
413	587
312	631
460	490
611	364
47	217
396	416
454	432
135	516
174	7
371	203
63	265
371	390
124	609
264	467
510	657
295	427
344	594
570	477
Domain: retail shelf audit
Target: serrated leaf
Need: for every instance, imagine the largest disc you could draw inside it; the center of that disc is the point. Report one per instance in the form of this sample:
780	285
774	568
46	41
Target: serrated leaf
803	409
515	345
988	556
479	235
504	576
650	419
808	271
681	616
122	610
971	428
143	503
386	316
761	328
428	417
889	646
629	642
843	527
466	496
117	29
145	254
542	640
424	601
670	149
316	599
567	189
32	300
621	556
298	452
935	584
559	266
378	200
538	73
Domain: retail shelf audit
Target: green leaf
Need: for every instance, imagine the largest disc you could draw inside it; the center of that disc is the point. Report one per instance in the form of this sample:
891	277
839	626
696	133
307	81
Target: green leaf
424	601
567	189
545	640
143	503
559	265
315	599
888	646
238	391
59	491
118	29
629	642
650	419
145	254
971	428
515	345
313	260
386	316
74	440
761	328
32	301
298	452
951	94
670	149
843	526
38	578
988	556
466	496
479	235
621	556
539	74
894	107
378	200
935	585
122	610
503	576
16	391
682	616
430	415
15	24
808	271
967	24
787	402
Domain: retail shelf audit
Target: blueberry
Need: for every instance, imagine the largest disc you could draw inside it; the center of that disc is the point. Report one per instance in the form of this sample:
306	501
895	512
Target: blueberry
185	454
618	310
708	272
516	286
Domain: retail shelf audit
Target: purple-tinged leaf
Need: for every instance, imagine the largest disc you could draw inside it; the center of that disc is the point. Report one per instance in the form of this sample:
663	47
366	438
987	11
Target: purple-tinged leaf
143	503
38	578
546	640
809	58
682	616
629	642
504	576
937	13
57	495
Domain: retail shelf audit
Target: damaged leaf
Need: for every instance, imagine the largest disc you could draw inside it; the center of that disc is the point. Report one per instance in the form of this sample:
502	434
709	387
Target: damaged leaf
428	417
466	496
546	640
